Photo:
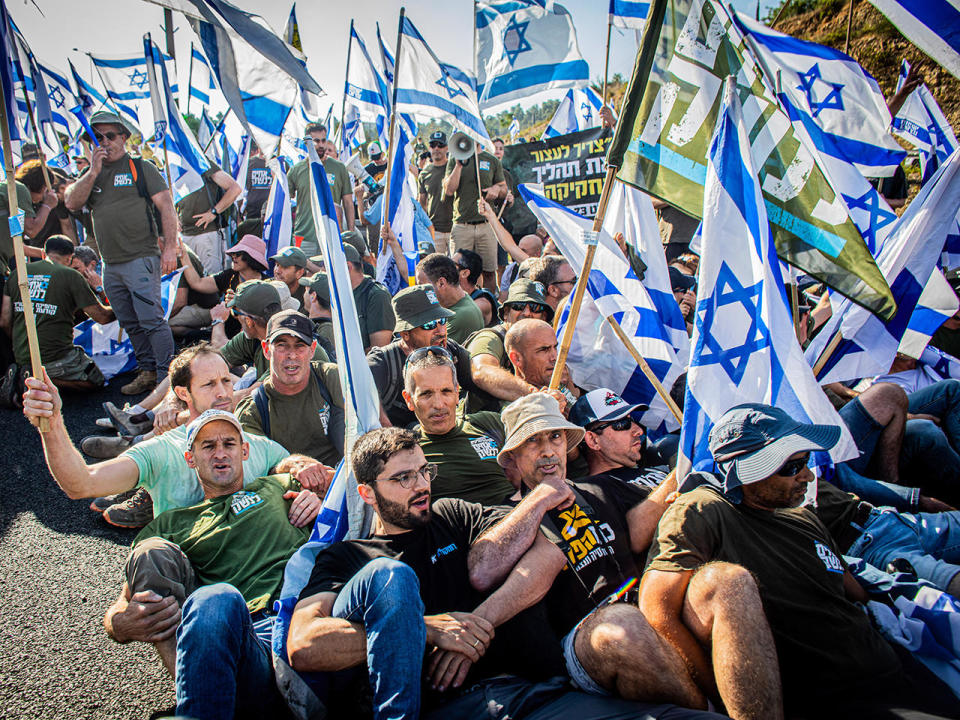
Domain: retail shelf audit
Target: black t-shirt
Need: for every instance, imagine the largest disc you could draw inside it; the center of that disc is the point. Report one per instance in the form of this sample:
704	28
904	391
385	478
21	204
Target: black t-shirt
647	478
259	179
376	170
596	541
386	364
437	553
837	510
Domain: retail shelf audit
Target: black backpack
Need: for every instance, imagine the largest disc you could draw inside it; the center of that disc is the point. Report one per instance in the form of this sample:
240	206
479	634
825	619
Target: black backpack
153	213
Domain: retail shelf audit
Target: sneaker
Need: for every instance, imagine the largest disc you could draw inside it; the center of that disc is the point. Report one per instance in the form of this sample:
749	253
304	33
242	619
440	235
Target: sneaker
125	422
145	381
134	512
104	447
10	388
104	423
102	503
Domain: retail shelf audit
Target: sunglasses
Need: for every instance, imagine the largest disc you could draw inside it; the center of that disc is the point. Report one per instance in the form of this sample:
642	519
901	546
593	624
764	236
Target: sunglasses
572	281
793	467
619	425
110	135
436	145
433	323
421	353
521	306
408	479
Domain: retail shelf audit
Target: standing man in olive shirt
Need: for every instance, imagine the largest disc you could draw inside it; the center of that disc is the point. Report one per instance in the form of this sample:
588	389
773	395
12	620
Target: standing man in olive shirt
374	308
125	195
299	180
442	272
433	199
204	217
470	229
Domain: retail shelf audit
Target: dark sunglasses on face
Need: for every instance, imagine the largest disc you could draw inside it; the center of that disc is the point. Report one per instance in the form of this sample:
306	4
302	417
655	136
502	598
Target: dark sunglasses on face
793	467
429	350
436	145
109	135
572	281
521	306
619	425
433	323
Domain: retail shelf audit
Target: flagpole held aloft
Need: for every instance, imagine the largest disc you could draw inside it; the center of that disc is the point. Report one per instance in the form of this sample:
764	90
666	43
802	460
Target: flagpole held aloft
23	285
606	62
346	78
646	369
385	213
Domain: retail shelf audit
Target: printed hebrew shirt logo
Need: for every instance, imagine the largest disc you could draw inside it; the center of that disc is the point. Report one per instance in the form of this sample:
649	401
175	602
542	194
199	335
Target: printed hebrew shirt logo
830	560
243	501
445	550
325	418
331	179
431	296
485	165
38	285
122	180
485	447
260	178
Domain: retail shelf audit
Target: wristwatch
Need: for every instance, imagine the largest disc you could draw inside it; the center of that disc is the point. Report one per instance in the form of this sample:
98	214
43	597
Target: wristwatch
98	289
216	321
213	209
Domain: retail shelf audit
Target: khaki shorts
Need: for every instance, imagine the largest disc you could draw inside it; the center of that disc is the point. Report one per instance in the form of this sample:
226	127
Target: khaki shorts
441	241
479	238
190	316
75	366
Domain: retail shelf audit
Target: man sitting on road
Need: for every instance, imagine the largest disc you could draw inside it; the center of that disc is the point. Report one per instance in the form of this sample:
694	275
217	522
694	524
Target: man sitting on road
219	564
531	346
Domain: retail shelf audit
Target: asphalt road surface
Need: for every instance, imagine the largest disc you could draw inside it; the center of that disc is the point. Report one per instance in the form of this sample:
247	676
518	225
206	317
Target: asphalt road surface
60	568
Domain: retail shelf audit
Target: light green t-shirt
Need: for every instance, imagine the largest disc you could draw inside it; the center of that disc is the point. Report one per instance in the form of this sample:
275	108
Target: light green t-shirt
467	319
244	538
299	181
173	484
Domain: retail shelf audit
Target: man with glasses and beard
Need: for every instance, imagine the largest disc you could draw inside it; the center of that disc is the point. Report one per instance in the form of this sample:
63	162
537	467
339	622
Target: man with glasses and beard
136	228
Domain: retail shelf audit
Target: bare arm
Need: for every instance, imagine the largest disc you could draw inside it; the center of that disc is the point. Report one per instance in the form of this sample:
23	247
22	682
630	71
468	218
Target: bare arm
390	238
168	227
205	284
99	313
503	237
348	213
66	464
144	616
218	332
642	519
914	79
452	181
318	642
496	381
34	225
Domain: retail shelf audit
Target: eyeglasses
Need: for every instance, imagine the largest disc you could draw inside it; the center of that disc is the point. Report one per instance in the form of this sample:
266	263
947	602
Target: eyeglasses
421	353
433	323
572	281
409	479
619	425
110	135
521	306
793	467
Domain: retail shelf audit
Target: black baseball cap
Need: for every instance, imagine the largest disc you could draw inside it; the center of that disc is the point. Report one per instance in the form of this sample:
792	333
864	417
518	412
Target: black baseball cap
290	322
439	137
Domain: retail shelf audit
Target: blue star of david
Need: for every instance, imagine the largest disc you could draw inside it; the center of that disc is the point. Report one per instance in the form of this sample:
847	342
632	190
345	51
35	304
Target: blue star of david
587	111
139	79
514	39
729	291
56	96
833	100
878	217
444	82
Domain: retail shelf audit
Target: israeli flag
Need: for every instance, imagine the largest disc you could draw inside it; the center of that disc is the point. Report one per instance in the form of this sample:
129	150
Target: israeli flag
343	514
386	58
931	25
849	115
61	98
514	130
8	73
205	134
108	345
907	259
744	348
401	212
128	86
90	98
365	89
525	50
428	88
187	163
950	257
202	85
598	358
943	364
245	56
352	132
629	14
579	110
278	217
921	122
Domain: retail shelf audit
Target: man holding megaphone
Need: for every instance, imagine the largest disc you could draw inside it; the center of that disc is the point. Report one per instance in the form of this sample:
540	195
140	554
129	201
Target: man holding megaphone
470	171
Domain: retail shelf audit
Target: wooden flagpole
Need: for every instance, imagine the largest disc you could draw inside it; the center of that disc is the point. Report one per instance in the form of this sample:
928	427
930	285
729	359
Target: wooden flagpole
190	79
343	103
606	62
646	369
385	205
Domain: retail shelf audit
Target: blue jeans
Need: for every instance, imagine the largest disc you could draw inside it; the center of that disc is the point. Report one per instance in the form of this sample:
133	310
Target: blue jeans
224	669
929	541
875	492
385	597
942	400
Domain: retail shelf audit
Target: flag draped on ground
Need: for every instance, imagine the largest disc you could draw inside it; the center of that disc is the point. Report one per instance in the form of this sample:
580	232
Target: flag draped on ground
598	358
664	132
907	257
931	25
579	110
744	348
525	48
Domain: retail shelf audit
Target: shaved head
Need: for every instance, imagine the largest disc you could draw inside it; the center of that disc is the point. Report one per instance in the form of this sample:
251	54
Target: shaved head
532	245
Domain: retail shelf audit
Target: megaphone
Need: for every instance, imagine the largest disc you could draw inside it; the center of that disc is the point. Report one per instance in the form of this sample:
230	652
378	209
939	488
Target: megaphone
461	146
356	168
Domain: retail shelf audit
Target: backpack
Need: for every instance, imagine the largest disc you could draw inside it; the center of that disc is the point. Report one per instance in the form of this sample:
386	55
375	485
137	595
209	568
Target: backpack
153	213
336	426
391	391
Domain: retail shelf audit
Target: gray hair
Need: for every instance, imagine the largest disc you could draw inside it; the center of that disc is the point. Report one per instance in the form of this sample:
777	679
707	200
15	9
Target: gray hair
426	360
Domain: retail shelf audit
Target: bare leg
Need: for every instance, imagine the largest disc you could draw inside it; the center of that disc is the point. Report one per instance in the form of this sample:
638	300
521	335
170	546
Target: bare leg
887	405
156	395
489	281
621	652
722	609
167	650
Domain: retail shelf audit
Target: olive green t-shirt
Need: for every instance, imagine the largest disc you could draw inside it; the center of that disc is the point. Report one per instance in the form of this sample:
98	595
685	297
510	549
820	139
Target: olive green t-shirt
241	350
466	458
25	203
488	342
439	206
57	293
467	319
244	538
120	216
823	640
299	422
374	309
466	196
199	202
299	181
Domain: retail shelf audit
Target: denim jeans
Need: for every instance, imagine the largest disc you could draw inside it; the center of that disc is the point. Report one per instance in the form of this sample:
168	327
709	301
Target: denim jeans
942	399
929	541
224	668
875	492
385	597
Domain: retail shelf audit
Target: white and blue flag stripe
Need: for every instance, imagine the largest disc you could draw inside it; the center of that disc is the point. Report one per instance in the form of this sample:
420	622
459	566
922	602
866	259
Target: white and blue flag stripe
202	85
277	216
579	110
931	25
629	14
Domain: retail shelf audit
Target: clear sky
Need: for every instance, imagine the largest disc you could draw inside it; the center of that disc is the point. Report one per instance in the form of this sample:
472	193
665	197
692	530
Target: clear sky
116	27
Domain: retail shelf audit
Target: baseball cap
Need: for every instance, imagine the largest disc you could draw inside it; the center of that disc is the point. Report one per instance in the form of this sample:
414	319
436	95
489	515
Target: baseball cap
105	117
319	283
532	414
750	442
257	298
354	238
291	255
680	280
417	305
209	416
439	136
290	322
286	301
601	405
527	291
374	149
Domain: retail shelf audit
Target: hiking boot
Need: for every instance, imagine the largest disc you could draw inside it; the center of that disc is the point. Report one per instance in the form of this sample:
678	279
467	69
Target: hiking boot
104	447
10	388
134	512
125	422
102	503
145	381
